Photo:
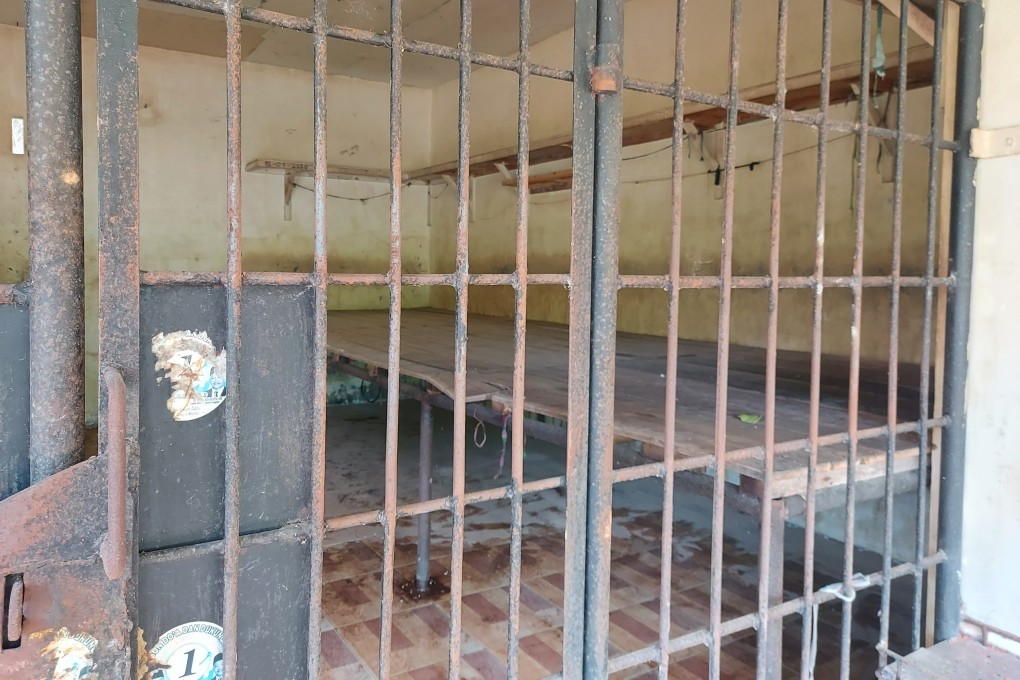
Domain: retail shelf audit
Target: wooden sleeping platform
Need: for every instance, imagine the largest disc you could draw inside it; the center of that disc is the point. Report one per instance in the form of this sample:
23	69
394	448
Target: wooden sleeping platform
427	354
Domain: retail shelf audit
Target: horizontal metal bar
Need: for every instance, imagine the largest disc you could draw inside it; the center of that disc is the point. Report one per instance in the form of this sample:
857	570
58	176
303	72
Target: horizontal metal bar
654	281
443	504
171	278
305	25
290	533
748	621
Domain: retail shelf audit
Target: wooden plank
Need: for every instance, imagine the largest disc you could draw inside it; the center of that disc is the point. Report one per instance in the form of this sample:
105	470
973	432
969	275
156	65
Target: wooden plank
953	659
803	94
919	22
427	354
271	166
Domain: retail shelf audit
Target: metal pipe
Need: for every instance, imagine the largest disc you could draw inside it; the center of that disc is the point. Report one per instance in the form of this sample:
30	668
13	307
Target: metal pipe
424	494
56	221
948	600
605	273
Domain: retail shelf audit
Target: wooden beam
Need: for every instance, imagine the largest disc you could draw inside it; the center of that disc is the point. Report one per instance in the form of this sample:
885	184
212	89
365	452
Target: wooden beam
803	94
297	169
542	184
919	22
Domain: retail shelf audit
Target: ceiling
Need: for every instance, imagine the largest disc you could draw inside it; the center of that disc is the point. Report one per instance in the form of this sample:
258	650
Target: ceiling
494	31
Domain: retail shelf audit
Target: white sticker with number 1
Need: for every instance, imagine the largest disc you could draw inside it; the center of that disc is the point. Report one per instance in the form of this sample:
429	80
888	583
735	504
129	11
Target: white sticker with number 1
192	650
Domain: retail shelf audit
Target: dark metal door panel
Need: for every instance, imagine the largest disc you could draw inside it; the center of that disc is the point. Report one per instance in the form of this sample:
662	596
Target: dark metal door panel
14	466
181	498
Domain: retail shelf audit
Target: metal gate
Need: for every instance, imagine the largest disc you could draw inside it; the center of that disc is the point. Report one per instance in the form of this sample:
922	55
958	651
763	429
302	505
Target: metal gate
176	530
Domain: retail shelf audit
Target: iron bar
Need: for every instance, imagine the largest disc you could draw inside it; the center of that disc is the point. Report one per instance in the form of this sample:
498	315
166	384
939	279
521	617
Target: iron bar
769	663
460	336
289	533
807	612
233	283
520	338
393	359
318	280
56	223
948	602
118	253
863	102
114	547
920	537
602	382
733	626
424	495
723	351
672	345
894	335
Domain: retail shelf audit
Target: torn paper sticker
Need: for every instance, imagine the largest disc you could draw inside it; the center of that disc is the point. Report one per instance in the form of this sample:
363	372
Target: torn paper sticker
197	372
190	650
71	654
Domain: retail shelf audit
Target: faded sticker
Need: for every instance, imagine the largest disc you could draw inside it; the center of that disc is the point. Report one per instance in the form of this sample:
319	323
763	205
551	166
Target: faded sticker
192	650
197	372
71	654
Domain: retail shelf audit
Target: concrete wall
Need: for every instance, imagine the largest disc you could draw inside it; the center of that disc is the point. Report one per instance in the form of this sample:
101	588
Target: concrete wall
991	532
183	174
646	189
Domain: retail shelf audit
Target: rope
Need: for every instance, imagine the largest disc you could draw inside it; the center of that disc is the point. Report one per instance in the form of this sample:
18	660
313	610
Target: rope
479	426
858	581
502	452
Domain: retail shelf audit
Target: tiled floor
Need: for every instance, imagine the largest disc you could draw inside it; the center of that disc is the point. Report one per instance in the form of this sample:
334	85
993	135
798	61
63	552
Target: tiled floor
420	634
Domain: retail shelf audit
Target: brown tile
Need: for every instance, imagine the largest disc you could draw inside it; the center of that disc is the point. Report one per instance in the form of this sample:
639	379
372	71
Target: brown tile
334	652
539	650
487	665
484	608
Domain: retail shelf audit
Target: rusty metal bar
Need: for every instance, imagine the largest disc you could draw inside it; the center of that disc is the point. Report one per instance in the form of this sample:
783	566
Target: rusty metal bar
393	357
723	352
602	383
864	101
769	665
948	599
113	549
920	538
233	282
815	398
56	222
659	282
319	283
516	414
733	626
118	255
579	348
672	349
14	613
289	533
460	336
894	338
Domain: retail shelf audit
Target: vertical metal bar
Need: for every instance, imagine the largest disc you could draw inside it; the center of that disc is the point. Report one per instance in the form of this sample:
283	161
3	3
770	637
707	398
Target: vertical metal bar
853	398
234	283
424	494
56	236
948	599
723	352
934	154
460	335
393	357
118	233
520	333
672	340
319	282
807	615
770	566
894	337
579	367
604	287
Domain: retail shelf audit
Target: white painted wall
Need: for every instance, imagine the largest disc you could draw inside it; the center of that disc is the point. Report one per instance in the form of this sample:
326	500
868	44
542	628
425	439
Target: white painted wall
182	164
991	531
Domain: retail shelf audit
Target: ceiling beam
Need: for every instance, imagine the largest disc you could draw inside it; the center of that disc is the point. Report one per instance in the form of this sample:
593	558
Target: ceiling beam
803	94
919	22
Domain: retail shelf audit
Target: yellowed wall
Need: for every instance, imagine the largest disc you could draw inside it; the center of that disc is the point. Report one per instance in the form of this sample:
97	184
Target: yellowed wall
183	169
645	193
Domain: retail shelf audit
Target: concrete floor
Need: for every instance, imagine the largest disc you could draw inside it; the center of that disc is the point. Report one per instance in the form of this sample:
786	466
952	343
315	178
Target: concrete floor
353	558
